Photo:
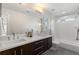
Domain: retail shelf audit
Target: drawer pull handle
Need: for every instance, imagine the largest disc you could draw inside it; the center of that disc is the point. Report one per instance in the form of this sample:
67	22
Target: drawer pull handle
38	42
21	51
39	48
15	52
40	52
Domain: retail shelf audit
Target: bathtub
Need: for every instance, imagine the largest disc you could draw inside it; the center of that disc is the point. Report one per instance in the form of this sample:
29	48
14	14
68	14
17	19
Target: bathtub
70	45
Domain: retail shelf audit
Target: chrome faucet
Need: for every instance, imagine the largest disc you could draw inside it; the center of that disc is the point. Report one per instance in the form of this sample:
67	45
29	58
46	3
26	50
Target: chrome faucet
8	38
13	35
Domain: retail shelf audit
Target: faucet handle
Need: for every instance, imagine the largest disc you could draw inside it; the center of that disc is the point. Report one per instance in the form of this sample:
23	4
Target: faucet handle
8	38
13	33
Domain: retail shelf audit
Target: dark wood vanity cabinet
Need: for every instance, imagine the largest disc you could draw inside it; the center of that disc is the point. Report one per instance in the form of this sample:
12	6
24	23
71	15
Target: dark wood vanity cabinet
49	42
8	52
26	49
34	48
13	51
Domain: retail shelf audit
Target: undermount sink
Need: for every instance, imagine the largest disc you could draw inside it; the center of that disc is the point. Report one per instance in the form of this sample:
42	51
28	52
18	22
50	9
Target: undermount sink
19	40
11	42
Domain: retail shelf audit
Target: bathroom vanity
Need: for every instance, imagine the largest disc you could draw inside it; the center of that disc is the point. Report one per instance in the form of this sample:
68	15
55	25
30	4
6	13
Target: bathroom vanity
32	47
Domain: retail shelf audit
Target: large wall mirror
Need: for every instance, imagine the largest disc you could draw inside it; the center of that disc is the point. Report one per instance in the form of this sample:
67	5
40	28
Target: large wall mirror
14	20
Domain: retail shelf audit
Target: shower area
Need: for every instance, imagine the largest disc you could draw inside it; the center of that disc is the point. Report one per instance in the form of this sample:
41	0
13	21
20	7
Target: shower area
67	32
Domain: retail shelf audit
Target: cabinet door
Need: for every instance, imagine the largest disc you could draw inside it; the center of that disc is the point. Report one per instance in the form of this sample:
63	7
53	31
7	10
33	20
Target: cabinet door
8	52
18	51
38	50
26	49
49	42
39	46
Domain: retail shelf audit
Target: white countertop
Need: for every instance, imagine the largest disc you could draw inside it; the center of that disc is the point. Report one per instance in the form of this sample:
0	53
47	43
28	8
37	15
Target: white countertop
5	45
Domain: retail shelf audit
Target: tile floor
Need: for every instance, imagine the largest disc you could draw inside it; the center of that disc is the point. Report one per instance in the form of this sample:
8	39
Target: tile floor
56	50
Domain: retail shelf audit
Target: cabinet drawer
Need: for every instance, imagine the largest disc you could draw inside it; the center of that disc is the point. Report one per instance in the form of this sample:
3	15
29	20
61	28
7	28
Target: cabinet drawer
39	43
38	50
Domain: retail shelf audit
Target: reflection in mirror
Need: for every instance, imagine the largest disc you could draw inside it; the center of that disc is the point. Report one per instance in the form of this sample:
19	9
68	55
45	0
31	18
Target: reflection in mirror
3	25
46	25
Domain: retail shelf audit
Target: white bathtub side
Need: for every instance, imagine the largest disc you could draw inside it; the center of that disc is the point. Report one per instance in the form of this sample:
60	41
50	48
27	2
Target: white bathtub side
68	45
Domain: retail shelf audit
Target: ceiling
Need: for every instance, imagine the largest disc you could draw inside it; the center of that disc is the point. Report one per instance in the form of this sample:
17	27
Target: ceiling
56	9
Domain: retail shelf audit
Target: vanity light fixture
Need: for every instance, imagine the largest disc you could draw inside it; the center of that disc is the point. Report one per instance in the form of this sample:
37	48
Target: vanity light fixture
39	8
21	3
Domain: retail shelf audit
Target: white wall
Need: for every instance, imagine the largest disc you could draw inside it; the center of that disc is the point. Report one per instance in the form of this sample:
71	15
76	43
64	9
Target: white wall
66	30
19	22
52	25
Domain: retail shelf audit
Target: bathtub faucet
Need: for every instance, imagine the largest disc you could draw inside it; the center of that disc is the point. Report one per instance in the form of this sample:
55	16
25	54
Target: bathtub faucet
77	34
